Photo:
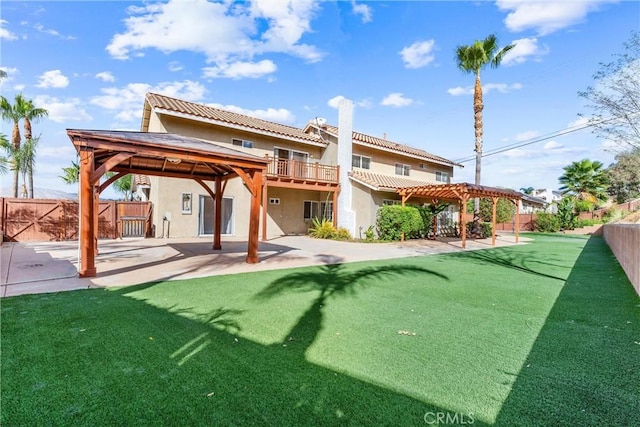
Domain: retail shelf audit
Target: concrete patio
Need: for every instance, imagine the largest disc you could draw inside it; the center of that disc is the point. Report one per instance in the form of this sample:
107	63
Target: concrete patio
29	268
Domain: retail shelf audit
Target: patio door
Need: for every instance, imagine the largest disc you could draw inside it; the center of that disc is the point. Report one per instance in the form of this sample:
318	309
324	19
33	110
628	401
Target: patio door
207	216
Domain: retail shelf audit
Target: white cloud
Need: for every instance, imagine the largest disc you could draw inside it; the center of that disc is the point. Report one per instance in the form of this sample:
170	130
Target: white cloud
63	110
363	10
582	121
552	145
396	99
54	79
106	76
44	30
280	115
239	70
11	73
546	17
66	150
175	66
526	135
418	54
241	30
524	50
128	100
500	87
335	102
4	33
459	90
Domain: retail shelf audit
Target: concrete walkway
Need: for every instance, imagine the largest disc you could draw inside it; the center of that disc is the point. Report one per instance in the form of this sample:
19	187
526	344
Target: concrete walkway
29	268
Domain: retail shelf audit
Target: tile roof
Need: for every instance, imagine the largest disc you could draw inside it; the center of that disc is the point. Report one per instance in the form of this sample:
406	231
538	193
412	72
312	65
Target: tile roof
385	182
363	139
141	179
228	118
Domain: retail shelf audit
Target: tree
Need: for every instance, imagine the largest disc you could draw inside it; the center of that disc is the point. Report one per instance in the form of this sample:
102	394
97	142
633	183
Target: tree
528	190
4	160
3	74
31	113
123	186
585	180
25	159
624	176
471	59
71	174
14	113
504	210
614	97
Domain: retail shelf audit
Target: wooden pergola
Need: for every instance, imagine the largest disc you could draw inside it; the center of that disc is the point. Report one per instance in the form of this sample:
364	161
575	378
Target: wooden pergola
159	154
461	193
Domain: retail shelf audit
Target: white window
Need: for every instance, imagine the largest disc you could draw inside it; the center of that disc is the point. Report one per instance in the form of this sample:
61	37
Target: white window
442	176
422	166
389	202
321	210
362	162
402	169
242	143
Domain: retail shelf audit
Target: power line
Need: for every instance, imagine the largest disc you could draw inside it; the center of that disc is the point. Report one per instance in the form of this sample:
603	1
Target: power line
551	135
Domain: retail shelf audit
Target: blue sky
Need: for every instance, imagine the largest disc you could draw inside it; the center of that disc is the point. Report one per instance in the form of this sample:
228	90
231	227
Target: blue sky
90	64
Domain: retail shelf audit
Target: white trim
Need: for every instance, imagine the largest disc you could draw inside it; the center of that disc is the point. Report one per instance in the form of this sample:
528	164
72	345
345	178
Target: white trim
238	127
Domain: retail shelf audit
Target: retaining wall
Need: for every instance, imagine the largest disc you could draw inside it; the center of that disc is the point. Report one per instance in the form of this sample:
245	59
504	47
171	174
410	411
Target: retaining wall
624	241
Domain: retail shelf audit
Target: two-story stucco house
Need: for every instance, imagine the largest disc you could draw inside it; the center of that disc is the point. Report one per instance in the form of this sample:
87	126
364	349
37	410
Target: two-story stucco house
316	171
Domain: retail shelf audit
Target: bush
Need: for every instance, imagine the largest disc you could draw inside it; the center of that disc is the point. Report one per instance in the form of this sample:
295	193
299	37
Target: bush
547	223
614	214
369	235
567	217
485	228
395	220
322	229
342	233
587	222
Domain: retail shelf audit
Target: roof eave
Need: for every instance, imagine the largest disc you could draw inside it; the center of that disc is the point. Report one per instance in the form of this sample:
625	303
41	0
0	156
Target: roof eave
234	126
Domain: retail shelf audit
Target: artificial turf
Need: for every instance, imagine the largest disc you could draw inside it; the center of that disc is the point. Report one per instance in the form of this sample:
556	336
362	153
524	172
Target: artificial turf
541	334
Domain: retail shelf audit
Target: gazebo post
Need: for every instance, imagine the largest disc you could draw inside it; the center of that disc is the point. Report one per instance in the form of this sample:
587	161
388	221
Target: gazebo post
217	206
87	225
254	219
494	201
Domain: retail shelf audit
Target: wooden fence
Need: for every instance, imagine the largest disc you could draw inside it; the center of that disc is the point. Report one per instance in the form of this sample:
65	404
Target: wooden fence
47	220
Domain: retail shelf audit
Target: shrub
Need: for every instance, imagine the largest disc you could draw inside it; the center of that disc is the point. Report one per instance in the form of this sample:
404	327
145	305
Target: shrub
322	229
369	235
485	228
587	222
547	223
567	217
342	233
395	220
614	214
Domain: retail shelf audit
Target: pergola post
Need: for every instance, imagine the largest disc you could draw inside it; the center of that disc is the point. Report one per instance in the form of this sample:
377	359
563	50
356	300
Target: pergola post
517	230
335	206
463	226
494	204
217	206
254	218
87	224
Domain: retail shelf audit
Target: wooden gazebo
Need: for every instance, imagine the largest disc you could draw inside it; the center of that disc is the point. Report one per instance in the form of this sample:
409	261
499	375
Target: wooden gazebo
461	193
159	154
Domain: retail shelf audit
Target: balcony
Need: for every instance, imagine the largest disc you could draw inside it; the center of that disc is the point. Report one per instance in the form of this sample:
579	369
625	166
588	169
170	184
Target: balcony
296	171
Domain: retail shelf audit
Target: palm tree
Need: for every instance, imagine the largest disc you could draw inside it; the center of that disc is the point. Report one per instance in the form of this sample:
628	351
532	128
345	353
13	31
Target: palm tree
123	186
14	113
3	74
471	59
26	160
5	161
31	113
71	173
585	180
527	190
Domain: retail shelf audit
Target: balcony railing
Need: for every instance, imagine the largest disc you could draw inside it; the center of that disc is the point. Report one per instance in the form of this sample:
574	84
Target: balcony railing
297	170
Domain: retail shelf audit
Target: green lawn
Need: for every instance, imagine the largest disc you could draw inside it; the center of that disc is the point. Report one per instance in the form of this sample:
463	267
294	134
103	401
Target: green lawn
540	334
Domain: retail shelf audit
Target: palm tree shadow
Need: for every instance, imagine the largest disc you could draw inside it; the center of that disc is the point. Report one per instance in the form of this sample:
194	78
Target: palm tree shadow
329	281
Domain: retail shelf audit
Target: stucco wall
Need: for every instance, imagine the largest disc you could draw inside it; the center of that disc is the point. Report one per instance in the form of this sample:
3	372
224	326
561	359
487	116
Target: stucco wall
624	241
